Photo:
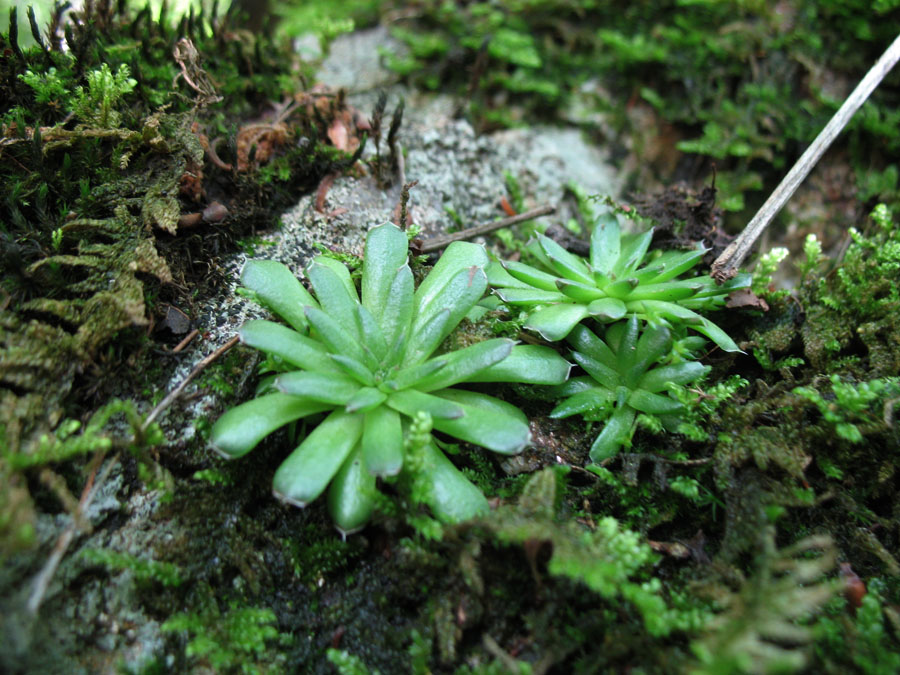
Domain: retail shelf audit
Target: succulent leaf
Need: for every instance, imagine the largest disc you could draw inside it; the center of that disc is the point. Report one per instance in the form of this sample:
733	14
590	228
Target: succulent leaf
382	441
486	421
554	322
531	364
305	474
351	496
291	346
449	493
325	388
464	363
605	244
385	255
278	289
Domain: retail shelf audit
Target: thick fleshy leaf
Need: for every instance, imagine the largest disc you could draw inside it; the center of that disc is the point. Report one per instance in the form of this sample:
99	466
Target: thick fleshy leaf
535	249
588	401
680	373
622	339
487	421
304	475
278	289
653	344
382	441
450	495
337	339
386	252
462	364
717	335
574	385
621	289
373	338
530	364
407	377
605	243
427	338
608	377
670	291
334	297
614	434
498	277
531	276
566	264
286	343
409	402
332	388
689	317
634	248
352	495
607	309
584	340
396	316
460	255
653	404
240	429
457	296
673	263
530	296
579	292
366	399
350	366
556	321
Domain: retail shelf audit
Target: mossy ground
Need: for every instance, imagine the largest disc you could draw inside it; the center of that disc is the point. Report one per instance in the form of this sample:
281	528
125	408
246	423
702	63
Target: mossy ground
709	562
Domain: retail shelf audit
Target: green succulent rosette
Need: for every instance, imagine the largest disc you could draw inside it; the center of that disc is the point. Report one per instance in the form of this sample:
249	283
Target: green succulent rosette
621	279
625	376
367	361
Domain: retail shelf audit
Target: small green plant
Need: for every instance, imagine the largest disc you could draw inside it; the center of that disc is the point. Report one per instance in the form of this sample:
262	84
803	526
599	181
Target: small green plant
624	377
851	405
96	105
620	280
144	571
368	364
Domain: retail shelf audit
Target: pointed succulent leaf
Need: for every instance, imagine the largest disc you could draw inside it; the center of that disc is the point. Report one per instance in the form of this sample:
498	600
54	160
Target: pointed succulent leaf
653	404
670	291
717	335
554	322
579	292
396	316
608	377
372	337
654	343
615	433
584	340
459	256
530	296
450	495
681	373
343	274
303	476
332	388
605	243
530	364
622	338
566	264
366	399
280	291
240	429
350	366
286	343
535	249
498	277
607	309
462	364
427	338
333	335
382	441
673	263
457	295
335	299
531	276
486	421
352	494
409	402
411	376
574	385
634	248
587	401
386	252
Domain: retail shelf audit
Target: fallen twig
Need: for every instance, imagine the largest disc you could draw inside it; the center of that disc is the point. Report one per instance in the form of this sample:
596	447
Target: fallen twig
726	265
168	400
186	341
438	243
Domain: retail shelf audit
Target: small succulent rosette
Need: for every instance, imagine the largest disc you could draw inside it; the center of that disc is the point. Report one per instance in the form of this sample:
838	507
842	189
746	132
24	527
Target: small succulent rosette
370	362
626	374
621	279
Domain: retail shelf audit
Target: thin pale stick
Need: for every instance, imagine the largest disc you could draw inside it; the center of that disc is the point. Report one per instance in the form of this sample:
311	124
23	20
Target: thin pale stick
440	242
726	265
168	400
